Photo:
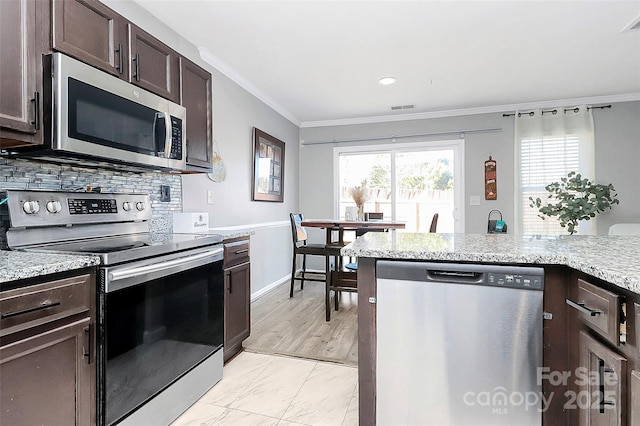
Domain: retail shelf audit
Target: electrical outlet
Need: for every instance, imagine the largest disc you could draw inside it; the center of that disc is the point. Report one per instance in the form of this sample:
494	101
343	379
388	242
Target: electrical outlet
474	200
209	197
165	193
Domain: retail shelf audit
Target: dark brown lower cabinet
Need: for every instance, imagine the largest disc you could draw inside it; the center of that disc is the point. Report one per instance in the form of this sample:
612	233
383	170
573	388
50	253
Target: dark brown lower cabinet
237	295
634	385
47	353
46	379
605	390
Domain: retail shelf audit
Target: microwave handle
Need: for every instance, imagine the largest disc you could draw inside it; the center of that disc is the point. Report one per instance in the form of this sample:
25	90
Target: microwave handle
168	132
165	148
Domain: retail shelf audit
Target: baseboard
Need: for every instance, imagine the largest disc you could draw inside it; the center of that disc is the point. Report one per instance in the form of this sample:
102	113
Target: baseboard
266	289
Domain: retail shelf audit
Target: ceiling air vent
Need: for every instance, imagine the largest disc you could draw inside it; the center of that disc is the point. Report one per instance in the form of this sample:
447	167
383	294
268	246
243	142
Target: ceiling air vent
399	107
634	25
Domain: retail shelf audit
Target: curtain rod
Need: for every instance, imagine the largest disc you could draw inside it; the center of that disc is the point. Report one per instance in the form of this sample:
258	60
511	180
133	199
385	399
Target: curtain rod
394	137
555	111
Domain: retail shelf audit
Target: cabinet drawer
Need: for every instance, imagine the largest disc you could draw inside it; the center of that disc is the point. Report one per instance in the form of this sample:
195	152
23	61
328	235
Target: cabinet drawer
42	303
236	252
605	310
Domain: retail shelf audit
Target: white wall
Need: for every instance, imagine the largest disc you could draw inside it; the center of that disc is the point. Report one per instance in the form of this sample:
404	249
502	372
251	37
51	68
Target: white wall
235	113
617	156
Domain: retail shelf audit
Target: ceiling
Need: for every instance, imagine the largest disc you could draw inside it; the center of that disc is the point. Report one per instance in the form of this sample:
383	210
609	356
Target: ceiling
320	61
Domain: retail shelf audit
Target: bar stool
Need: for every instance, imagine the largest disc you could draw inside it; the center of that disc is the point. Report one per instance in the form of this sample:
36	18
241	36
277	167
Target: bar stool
300	246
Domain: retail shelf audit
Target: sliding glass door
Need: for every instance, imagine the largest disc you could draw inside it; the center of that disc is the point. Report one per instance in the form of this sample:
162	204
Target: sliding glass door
406	182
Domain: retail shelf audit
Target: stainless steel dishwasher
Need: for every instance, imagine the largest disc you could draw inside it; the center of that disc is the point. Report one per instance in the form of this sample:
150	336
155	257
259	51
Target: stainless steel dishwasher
458	344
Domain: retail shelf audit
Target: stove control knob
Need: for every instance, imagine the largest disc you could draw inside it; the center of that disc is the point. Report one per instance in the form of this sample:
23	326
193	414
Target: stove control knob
140	206
126	206
54	206
31	207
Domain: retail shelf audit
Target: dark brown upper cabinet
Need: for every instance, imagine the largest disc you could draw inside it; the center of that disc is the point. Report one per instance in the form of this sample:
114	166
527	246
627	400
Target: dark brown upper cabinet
20	87
153	65
92	33
195	96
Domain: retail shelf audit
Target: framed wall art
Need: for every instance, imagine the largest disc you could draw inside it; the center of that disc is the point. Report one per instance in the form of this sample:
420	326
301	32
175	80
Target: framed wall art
268	167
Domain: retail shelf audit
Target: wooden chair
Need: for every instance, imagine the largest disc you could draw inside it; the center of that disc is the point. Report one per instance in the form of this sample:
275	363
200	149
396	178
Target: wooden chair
341	278
434	223
300	246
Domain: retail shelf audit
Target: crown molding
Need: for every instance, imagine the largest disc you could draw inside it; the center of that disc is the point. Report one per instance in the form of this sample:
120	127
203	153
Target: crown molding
226	69
629	97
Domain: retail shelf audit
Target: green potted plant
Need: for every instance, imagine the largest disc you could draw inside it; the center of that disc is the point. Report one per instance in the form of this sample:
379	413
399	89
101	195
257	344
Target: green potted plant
574	199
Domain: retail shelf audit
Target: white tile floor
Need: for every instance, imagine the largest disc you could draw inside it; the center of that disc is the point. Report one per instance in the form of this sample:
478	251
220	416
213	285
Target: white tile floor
259	389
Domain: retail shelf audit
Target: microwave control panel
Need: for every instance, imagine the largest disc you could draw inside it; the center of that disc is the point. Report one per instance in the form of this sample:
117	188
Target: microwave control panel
176	138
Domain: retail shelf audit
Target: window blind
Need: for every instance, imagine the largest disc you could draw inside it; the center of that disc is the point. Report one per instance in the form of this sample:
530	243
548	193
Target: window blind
544	160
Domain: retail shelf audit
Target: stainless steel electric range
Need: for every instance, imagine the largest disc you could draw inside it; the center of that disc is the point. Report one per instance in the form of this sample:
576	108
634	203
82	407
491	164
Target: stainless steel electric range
160	298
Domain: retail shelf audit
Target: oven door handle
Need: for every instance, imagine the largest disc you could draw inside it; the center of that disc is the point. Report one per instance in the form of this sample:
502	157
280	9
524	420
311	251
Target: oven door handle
167	267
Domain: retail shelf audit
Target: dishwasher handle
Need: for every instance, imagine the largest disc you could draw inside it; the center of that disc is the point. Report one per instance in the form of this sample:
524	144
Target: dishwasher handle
454	276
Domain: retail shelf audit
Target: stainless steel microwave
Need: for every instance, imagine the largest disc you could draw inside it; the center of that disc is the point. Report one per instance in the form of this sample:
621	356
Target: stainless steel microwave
97	116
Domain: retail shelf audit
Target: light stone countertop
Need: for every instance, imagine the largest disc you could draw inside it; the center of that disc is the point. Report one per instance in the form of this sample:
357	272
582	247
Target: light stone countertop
16	265
615	259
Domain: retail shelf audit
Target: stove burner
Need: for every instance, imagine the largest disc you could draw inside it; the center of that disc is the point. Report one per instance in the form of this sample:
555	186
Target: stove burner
110	248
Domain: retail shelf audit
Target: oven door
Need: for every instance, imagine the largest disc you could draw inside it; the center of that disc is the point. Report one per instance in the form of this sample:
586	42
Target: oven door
159	318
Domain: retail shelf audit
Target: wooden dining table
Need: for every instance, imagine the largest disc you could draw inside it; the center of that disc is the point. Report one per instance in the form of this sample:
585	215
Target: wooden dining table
339	278
339	226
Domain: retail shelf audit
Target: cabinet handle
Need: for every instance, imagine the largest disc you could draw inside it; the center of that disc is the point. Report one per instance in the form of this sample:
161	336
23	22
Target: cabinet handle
87	343
119	50
582	308
242	251
36	110
45	305
137	61
601	371
230	283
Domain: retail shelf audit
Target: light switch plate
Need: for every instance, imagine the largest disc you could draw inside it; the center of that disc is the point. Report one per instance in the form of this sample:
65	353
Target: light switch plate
209	197
474	200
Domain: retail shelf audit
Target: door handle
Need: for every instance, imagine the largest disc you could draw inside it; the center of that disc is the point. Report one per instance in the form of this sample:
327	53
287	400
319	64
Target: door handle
87	343
137	61
120	68
580	306
36	110
602	369
44	305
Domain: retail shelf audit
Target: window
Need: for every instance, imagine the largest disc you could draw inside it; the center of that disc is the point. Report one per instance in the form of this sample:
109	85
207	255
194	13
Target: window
406	182
548	146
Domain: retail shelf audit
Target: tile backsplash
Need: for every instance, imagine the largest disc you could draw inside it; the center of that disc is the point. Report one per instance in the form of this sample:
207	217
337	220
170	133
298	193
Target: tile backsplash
28	174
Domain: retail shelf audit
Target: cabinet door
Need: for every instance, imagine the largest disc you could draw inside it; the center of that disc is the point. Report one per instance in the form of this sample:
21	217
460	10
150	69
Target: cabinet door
195	96
634	415
90	32
605	377
237	324
154	65
47	379
18	105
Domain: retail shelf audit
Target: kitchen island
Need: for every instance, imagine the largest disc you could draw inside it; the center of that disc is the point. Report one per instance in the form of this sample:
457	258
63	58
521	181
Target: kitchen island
611	263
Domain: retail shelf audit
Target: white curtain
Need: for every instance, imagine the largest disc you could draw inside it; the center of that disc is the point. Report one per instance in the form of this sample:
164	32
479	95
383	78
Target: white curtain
548	145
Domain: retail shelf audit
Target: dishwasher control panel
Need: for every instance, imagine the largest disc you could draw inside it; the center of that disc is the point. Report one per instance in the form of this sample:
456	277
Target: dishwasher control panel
514	280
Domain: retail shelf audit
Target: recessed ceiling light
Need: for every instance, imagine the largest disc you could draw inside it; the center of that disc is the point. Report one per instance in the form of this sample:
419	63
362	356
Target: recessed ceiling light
385	81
